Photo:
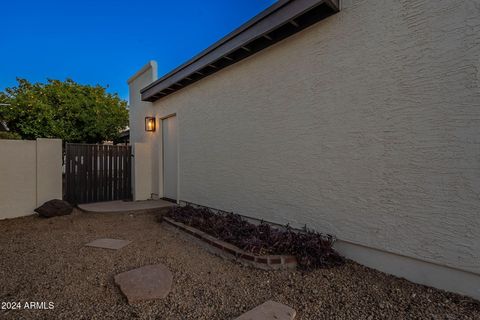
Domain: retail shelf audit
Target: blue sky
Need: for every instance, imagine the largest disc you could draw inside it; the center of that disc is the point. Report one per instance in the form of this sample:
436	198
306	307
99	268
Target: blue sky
105	42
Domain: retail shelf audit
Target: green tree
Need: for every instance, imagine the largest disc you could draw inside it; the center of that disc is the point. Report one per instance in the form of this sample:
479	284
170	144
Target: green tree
63	109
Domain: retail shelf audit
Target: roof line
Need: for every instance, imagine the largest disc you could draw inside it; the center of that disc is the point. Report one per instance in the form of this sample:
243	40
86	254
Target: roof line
274	24
226	38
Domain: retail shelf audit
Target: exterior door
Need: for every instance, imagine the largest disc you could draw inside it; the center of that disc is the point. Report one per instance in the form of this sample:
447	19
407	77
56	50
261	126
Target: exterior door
170	170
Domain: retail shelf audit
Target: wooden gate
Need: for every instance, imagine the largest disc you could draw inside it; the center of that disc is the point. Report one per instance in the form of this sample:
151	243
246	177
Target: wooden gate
97	172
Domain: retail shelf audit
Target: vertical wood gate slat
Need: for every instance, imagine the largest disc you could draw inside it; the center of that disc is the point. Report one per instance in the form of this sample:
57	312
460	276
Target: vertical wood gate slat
100	173
125	172
129	172
105	173
77	179
79	174
72	177
122	173
74	180
72	173
119	172
67	170
120	168
92	186
87	174
90	174
125	163
97	173
82	175
115	172
96	186
110	172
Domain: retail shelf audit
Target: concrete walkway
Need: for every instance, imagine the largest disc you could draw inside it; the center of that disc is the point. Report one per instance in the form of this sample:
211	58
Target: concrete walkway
125	206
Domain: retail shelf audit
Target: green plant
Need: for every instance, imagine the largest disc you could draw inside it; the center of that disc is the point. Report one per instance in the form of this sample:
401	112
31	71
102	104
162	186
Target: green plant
9	135
312	249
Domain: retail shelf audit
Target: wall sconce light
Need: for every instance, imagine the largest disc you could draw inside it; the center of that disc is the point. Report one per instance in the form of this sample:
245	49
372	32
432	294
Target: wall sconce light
150	124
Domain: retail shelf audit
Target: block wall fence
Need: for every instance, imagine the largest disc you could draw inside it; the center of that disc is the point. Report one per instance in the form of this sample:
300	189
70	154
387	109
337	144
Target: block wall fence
30	174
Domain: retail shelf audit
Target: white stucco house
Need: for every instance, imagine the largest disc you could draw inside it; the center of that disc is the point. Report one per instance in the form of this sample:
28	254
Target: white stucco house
360	119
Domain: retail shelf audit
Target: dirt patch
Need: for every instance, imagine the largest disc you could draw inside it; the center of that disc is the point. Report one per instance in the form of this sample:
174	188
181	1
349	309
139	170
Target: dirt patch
46	260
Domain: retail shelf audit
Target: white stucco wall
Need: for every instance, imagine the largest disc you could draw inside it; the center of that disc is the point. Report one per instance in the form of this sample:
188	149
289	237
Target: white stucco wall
139	109
145	173
49	170
142	171
366	126
30	174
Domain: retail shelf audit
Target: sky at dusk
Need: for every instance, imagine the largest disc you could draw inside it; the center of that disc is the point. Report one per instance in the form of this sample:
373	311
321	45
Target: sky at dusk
105	42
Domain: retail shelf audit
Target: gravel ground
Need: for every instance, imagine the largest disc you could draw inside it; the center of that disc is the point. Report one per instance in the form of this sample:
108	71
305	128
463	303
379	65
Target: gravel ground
45	260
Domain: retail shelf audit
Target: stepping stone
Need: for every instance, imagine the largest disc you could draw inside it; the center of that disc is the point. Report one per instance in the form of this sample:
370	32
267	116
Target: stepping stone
269	310
145	283
113	244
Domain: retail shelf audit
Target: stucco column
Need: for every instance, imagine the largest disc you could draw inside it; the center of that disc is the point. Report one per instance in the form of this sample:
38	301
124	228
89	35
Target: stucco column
144	166
49	170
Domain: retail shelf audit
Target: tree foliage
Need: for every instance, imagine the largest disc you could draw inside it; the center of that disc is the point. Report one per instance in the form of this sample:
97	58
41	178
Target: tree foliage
9	135
63	109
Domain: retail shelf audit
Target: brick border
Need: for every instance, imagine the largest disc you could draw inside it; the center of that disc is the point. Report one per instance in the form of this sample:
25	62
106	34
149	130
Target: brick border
229	251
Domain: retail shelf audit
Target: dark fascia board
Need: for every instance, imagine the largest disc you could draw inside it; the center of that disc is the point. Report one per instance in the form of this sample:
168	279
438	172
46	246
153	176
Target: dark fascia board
274	24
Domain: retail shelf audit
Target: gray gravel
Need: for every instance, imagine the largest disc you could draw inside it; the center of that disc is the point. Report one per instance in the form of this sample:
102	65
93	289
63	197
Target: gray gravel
46	260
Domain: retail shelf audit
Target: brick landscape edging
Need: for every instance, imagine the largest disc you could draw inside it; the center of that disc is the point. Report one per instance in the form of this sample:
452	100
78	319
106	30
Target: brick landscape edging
270	262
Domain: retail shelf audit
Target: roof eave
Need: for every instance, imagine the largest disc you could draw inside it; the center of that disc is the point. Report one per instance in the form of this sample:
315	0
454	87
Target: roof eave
274	24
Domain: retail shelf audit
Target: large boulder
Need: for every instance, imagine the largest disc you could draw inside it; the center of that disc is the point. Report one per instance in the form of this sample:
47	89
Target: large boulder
54	208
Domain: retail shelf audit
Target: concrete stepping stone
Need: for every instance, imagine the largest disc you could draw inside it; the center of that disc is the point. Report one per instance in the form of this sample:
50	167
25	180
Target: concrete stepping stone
269	310
145	283
113	244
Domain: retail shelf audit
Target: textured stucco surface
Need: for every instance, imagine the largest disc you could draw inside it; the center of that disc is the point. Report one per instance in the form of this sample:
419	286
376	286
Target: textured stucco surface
142	171
366	126
49	170
139	109
145	177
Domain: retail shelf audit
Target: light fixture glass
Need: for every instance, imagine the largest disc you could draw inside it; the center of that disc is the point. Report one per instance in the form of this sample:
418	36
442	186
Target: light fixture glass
150	124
